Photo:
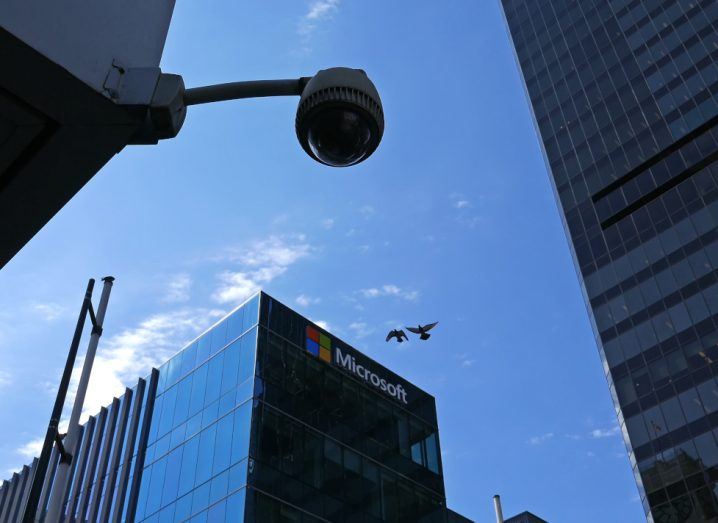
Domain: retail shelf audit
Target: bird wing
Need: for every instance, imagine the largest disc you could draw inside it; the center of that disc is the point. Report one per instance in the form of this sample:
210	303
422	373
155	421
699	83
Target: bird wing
414	330
430	326
402	333
390	335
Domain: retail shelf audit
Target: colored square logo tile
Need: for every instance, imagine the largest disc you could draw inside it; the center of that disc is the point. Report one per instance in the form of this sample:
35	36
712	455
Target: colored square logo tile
313	334
312	347
325	354
324	341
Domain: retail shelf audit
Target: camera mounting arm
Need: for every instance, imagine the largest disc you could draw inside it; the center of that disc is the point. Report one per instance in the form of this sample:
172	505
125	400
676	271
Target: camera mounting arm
339	122
251	89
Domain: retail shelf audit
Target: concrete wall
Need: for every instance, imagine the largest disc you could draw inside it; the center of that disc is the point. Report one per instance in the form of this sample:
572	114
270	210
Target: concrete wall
86	36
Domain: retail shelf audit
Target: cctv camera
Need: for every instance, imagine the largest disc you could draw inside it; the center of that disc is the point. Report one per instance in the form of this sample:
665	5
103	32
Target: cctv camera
340	120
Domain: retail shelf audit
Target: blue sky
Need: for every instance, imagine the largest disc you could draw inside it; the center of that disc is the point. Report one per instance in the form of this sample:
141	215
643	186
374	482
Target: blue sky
452	219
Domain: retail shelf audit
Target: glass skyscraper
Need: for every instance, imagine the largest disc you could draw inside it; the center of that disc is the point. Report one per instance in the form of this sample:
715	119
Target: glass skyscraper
264	418
623	94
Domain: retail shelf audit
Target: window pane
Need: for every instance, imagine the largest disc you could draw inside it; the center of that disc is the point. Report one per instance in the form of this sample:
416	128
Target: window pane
216	513
214	379
223	444
237	476
154	494
168	410
234	324
169	491
432	454
218	337
184	392
218	487
246	358
189	465
416	454
709	394
251	313
235	507
691	404
240	435
205	454
199	384
189	358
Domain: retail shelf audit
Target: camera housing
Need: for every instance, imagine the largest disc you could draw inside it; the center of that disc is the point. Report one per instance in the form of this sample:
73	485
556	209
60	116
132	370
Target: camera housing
340	119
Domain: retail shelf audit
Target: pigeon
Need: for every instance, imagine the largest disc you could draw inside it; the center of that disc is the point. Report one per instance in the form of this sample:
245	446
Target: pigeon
398	334
422	331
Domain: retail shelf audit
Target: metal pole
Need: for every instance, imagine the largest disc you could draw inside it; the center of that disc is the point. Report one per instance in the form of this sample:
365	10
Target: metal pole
134	492
497	508
39	476
61	483
251	89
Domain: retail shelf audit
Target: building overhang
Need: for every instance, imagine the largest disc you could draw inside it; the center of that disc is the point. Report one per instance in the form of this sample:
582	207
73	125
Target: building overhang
58	122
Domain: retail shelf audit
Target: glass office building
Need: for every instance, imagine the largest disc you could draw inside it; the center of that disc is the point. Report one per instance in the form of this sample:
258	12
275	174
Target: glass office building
264	418
525	517
623	96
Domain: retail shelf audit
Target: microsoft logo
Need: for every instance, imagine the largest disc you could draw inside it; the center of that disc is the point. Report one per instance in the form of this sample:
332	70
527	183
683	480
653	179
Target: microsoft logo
319	345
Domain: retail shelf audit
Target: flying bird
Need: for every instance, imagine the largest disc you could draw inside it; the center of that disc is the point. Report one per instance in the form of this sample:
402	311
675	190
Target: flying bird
423	331
398	334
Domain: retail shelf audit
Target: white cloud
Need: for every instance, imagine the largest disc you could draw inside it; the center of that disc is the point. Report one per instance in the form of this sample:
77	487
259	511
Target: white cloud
328	223
538	440
31	449
367	211
465	360
465	216
469	221
324	325
49	311
132	353
606	433
318	11
305	301
5	379
238	286
321	9
360	329
389	290
178	288
280	219
262	262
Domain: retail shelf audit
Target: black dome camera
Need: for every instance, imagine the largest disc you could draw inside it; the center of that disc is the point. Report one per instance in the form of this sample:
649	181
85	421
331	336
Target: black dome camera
340	120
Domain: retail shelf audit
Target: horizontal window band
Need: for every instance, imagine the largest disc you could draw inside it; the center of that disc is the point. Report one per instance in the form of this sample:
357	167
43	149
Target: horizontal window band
659	306
661	264
653	160
659	191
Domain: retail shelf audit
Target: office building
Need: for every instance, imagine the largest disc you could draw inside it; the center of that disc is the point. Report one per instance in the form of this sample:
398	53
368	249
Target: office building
265	418
623	97
525	517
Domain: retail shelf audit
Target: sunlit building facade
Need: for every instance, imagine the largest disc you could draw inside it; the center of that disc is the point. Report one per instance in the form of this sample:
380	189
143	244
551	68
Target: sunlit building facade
624	98
265	417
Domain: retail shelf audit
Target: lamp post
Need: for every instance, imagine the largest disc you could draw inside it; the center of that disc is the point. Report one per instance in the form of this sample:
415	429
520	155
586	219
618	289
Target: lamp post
61	483
32	511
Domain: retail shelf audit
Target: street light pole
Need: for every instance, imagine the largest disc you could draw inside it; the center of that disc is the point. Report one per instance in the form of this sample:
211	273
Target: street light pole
61	483
51	434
